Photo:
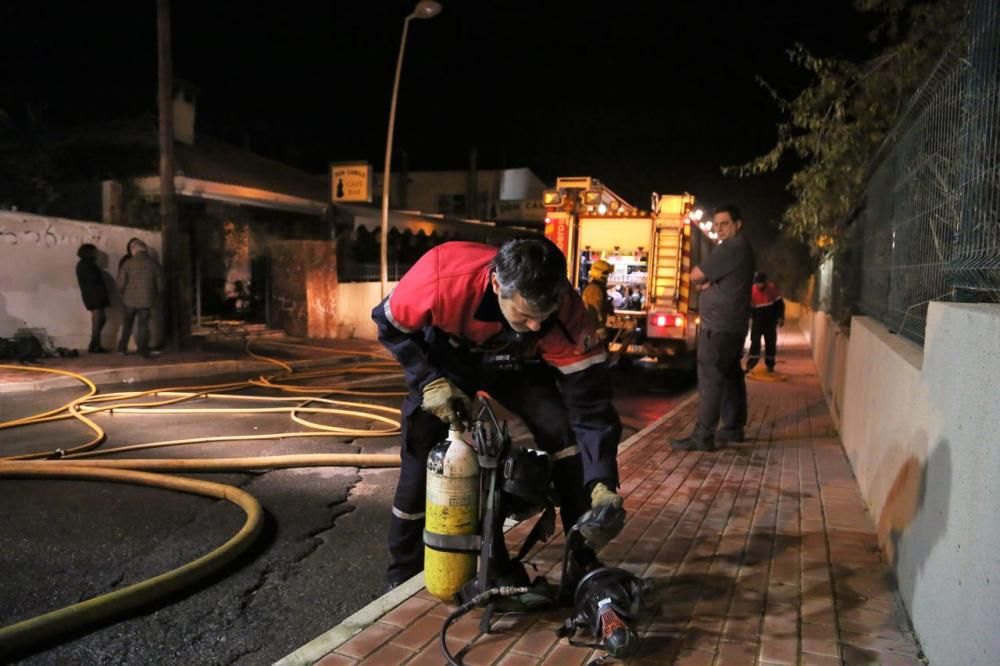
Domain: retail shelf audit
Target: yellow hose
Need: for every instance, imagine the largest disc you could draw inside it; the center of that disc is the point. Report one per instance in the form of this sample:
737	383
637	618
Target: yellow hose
233	464
71	465
81	406
196	440
15	422
43	627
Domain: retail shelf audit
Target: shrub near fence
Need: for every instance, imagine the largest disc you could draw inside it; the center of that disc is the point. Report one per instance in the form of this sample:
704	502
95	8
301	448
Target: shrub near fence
929	226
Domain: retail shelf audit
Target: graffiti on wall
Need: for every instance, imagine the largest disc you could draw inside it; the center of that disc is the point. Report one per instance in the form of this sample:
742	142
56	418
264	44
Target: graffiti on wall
44	232
38	286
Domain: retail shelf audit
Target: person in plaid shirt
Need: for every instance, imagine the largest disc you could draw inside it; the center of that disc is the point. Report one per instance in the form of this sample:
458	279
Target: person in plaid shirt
140	282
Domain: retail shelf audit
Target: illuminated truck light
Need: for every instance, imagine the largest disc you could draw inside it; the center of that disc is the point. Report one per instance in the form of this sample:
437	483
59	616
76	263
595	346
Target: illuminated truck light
670	320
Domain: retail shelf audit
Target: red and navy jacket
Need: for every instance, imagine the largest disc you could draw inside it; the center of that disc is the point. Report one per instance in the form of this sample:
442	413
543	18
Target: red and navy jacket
445	306
768	305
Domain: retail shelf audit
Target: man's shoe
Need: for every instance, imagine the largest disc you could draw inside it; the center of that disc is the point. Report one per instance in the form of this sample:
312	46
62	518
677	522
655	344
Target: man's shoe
738	438
691	444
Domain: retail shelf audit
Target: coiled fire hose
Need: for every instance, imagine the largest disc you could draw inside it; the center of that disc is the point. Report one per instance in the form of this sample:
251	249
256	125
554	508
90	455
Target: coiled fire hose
78	462
96	609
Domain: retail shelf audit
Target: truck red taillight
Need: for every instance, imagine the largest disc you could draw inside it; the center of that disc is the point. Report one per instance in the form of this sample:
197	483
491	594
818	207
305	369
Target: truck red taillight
670	320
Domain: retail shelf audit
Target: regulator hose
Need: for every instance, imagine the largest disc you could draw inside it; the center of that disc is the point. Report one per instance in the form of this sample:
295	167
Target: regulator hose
479	599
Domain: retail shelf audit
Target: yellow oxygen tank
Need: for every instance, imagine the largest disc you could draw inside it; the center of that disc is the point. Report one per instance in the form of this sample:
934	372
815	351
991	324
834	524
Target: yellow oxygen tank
452	508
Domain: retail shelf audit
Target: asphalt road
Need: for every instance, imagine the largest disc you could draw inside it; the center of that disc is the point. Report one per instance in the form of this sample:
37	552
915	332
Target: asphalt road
321	557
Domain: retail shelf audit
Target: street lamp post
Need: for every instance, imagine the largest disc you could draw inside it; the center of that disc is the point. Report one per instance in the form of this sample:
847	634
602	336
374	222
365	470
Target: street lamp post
425	9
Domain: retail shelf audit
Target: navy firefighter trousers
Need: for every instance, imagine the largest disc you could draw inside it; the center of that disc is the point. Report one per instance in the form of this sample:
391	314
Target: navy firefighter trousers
532	394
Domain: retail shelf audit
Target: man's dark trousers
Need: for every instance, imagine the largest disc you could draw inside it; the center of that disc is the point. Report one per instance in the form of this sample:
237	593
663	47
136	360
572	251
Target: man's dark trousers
97	320
722	390
766	327
533	395
141	318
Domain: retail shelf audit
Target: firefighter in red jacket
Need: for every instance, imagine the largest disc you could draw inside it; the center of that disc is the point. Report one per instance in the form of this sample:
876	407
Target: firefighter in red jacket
468	317
767	316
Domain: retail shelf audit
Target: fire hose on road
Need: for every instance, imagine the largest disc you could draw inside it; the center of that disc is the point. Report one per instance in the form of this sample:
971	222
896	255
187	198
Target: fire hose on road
81	462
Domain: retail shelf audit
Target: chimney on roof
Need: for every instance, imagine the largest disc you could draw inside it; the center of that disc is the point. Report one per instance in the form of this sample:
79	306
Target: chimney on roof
185	95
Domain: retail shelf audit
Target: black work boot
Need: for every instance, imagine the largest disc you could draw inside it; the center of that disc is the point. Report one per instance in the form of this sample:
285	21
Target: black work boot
691	444
730	437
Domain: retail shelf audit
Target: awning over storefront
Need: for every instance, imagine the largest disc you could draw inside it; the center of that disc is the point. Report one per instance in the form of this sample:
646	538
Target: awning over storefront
370	217
233	194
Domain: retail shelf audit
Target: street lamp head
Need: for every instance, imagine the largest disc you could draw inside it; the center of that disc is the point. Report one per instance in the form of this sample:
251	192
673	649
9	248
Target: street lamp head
426	9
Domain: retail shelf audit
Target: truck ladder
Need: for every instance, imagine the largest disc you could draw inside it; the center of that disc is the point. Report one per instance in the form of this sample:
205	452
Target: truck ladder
665	283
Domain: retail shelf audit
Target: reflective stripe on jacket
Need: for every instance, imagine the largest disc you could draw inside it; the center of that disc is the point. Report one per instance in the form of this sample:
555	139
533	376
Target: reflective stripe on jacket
445	302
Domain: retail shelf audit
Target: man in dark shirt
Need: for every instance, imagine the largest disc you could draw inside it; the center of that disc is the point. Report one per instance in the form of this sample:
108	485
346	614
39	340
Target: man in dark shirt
725	279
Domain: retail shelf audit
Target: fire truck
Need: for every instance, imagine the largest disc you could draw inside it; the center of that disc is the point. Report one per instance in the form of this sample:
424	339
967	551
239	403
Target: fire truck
655	320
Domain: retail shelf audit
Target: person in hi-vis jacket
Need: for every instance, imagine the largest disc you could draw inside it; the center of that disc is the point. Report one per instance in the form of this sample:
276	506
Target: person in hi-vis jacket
767	316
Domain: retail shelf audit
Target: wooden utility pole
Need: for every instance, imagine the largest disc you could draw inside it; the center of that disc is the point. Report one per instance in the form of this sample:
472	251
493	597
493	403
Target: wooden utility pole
176	317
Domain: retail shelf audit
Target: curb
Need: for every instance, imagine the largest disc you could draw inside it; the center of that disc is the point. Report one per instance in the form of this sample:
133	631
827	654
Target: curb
329	641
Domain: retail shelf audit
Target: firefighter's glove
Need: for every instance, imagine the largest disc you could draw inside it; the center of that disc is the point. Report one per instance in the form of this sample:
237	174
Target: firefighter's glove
602	334
600	494
447	402
605	519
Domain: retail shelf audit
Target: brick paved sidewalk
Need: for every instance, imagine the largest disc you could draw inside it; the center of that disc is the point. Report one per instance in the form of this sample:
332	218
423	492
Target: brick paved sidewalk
761	553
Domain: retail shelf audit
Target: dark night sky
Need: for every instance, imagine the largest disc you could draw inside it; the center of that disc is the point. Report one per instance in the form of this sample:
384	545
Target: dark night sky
650	95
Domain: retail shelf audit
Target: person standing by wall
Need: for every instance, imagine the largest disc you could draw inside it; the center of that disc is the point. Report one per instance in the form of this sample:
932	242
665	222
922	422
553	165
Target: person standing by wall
94	293
140	284
725	279
768	316
128	251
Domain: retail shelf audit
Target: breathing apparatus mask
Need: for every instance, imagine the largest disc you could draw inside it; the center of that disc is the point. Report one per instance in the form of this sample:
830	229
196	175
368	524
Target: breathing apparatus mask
607	601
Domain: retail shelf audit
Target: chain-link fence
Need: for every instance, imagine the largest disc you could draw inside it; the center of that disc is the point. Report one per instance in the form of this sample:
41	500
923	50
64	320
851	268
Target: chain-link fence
929	228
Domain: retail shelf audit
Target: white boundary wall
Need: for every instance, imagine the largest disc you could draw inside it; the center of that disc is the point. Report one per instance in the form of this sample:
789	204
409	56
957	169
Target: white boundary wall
355	301
38	287
922	431
829	349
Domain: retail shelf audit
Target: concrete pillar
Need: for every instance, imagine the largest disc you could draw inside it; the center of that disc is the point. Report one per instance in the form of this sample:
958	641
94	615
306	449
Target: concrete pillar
304	287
